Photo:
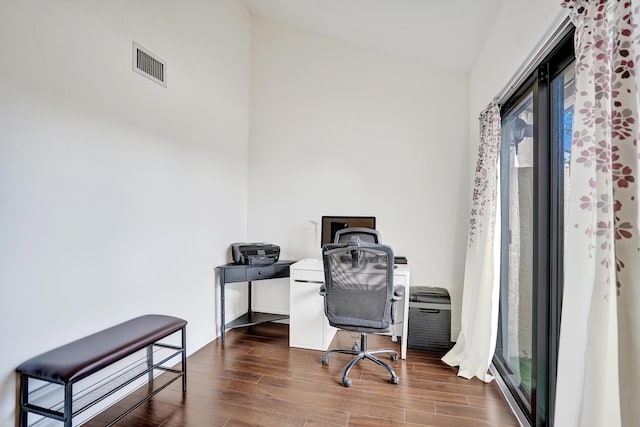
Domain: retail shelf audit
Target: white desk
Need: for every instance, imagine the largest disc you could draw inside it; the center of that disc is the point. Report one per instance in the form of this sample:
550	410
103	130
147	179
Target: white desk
308	325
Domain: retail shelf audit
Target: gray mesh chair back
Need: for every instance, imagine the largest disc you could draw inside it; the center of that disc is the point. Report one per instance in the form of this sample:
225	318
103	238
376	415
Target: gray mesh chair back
359	296
369	235
359	286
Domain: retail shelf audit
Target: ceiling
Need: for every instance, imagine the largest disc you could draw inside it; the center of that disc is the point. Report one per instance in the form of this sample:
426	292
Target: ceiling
445	32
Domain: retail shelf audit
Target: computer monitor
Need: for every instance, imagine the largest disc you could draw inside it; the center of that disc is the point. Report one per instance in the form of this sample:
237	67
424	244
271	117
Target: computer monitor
331	224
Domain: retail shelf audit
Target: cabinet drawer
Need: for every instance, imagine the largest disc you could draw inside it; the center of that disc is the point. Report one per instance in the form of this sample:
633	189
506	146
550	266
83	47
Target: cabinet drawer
257	273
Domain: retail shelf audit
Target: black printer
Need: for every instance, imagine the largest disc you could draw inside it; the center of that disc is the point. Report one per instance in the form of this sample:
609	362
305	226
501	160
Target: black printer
255	253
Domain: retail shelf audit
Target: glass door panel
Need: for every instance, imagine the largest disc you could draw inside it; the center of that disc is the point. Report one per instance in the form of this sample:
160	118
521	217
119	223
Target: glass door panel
562	107
515	343
563	87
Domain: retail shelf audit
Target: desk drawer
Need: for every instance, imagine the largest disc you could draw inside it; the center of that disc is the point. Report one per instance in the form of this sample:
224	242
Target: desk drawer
232	275
307	276
280	270
262	272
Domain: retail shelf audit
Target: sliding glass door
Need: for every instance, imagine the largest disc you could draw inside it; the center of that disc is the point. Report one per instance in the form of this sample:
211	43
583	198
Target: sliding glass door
515	343
562	97
534	167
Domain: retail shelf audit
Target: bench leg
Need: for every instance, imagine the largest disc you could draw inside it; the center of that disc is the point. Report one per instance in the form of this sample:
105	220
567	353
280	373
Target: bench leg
68	408
149	365
184	359
24	400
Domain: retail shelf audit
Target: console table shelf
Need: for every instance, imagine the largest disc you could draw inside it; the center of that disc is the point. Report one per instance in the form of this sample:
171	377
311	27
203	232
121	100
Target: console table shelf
254	318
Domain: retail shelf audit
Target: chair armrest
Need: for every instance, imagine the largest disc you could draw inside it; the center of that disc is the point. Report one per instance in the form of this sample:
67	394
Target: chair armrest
398	293
323	289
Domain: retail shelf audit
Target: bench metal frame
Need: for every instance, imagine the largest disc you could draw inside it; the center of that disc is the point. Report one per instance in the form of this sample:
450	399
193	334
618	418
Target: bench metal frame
67	414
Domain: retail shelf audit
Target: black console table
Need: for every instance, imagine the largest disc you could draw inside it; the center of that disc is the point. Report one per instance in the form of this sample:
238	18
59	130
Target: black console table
234	273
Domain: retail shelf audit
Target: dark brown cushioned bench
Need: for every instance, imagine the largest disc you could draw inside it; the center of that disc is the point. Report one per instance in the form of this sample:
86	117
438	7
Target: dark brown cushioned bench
79	359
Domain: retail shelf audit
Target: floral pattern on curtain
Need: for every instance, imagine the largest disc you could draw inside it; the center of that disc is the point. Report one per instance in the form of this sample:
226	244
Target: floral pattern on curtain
484	188
598	374
475	345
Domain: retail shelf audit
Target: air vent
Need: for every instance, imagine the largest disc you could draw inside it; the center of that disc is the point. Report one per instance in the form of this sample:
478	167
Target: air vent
149	65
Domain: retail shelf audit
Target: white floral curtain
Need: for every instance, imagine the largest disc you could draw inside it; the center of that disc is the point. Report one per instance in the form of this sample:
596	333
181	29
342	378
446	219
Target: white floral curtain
598	379
476	343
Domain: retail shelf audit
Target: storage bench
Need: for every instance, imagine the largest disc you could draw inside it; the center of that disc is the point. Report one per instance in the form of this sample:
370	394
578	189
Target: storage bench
47	381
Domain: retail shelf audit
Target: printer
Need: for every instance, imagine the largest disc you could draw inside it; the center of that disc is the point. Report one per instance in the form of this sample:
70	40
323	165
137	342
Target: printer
255	253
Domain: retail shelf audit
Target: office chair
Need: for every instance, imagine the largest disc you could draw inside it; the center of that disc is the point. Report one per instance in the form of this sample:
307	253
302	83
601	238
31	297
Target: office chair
359	296
364	234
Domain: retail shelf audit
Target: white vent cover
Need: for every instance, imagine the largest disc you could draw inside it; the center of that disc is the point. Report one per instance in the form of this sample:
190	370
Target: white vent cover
149	65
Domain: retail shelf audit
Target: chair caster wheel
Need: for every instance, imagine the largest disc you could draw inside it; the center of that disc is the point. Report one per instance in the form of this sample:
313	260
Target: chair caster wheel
346	382
393	357
394	380
355	347
325	360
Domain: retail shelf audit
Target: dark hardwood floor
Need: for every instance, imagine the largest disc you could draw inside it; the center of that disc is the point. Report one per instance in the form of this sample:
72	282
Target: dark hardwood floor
254	378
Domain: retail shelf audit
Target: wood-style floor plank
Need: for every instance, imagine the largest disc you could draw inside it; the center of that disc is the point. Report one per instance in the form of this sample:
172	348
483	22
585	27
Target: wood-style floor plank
254	378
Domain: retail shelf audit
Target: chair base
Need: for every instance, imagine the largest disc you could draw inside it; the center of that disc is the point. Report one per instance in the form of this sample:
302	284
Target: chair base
362	353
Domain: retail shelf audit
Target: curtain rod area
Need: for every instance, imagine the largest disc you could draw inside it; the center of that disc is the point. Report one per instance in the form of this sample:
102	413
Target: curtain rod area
555	33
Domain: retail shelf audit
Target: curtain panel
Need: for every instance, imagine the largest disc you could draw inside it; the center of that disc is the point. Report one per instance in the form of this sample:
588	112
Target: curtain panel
599	354
476	343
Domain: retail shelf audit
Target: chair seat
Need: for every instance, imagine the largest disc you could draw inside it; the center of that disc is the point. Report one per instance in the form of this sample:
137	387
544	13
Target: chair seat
352	328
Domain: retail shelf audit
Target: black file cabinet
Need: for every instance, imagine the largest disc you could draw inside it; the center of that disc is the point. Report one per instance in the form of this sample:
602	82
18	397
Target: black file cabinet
429	319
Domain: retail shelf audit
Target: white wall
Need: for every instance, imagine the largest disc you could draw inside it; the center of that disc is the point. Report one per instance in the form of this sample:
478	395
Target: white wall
117	196
337	129
519	27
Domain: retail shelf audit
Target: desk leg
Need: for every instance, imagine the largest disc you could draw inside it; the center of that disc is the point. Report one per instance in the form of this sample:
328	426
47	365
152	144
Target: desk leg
405	322
222	326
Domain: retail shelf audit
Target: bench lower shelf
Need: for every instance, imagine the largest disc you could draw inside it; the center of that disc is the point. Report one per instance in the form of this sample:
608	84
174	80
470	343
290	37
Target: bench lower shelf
47	400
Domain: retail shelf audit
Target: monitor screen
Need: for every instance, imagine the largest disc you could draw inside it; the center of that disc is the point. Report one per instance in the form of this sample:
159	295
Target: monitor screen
331	224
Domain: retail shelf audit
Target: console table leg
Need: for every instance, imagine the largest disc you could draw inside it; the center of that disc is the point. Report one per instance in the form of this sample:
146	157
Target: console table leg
222	326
